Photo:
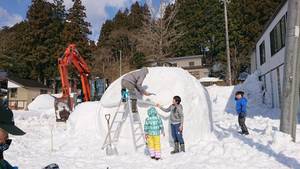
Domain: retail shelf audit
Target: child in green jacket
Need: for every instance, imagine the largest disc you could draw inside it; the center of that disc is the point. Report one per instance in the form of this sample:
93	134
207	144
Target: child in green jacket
153	127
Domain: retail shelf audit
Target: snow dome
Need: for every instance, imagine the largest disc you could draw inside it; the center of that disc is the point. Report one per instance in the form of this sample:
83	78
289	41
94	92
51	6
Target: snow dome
164	82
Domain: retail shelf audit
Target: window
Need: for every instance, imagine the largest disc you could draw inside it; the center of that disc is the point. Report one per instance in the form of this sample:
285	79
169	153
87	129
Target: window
13	92
42	91
191	63
277	36
264	88
262	53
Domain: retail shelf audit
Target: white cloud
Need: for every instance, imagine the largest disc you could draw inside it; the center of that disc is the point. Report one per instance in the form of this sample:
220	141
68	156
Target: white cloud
96	12
8	19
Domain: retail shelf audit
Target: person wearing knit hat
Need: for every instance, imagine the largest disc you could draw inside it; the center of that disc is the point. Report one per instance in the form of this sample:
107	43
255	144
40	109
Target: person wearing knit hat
7	126
153	127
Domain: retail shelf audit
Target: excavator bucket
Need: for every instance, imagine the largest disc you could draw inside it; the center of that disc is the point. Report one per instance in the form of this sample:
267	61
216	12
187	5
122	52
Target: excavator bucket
63	109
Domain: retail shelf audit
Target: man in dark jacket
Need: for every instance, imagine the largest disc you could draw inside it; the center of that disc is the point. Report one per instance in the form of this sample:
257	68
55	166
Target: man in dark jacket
133	83
7	126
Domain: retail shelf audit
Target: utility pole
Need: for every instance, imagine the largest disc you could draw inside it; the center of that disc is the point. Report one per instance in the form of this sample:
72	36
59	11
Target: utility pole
290	96
227	43
120	63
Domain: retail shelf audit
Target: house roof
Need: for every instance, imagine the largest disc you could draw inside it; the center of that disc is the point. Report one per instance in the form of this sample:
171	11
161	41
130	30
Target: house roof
27	83
184	58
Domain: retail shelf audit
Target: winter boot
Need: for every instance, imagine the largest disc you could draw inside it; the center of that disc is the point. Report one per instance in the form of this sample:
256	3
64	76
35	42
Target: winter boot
182	148
176	148
134	106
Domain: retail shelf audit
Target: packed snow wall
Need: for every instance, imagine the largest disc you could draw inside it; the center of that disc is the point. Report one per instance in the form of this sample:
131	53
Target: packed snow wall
165	83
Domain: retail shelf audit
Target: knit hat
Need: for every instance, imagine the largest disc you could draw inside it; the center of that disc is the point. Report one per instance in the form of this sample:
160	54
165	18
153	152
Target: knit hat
7	122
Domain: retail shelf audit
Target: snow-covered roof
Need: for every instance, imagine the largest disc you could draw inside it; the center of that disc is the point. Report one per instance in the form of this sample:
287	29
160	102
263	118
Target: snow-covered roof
18	82
11	84
210	79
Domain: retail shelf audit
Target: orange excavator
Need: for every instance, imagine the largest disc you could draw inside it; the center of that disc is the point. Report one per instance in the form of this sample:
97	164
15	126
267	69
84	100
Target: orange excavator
64	105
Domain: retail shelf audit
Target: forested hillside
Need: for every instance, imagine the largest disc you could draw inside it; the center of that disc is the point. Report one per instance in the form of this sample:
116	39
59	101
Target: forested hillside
188	27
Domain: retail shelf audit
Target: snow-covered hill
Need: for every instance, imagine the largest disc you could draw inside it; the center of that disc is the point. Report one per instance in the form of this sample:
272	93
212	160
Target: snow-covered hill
265	148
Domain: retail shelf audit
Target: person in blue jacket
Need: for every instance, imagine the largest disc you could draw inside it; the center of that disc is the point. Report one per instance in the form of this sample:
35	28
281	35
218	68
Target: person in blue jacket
241	109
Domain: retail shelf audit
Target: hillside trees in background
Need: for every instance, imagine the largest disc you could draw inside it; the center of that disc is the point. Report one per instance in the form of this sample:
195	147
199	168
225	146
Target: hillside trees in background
118	38
247	19
76	30
30	48
203	22
158	35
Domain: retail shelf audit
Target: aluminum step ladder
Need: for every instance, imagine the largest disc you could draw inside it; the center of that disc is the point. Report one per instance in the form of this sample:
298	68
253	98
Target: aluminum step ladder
123	111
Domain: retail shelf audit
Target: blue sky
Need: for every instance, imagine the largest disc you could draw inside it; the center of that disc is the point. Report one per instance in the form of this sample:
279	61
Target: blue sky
14	11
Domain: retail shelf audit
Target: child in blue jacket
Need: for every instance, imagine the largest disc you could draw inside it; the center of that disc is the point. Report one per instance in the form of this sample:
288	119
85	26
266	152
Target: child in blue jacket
241	109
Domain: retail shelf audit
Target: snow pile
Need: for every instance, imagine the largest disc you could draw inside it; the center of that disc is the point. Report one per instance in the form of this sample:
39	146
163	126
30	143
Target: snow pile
43	104
253	89
222	98
84	120
225	100
165	83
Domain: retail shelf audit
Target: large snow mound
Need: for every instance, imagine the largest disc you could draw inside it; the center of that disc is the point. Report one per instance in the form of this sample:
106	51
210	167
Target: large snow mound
85	119
165	83
43	104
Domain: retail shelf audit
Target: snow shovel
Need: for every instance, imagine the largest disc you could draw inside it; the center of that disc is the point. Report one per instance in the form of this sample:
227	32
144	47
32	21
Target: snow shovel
146	150
110	149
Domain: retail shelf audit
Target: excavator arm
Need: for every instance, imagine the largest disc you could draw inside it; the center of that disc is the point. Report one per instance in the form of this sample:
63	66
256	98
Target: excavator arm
72	56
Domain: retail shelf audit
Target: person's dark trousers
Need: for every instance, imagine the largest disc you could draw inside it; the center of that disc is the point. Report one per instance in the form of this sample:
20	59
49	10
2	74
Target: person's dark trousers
176	134
242	120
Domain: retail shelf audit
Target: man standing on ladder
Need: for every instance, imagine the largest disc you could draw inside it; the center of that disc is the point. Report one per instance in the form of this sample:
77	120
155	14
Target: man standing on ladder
133	83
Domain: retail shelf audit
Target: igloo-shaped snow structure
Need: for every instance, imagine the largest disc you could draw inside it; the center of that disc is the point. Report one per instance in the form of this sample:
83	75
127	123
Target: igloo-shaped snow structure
165	82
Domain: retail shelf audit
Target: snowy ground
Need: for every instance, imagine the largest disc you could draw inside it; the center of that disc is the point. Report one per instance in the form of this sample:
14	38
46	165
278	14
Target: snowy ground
264	148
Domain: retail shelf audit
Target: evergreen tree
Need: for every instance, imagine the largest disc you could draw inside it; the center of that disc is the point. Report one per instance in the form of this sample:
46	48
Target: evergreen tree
12	49
46	22
76	29
121	19
138	60
106	30
136	16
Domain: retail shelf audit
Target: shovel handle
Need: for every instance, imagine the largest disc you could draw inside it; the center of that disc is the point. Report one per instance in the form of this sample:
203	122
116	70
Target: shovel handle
107	117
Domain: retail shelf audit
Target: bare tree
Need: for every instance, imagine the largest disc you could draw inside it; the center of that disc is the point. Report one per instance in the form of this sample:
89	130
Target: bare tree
159	34
102	59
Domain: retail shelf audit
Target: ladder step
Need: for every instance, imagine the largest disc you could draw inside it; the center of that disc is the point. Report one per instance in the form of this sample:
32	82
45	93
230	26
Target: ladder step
137	129
140	146
113	131
137	122
119	121
123	112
